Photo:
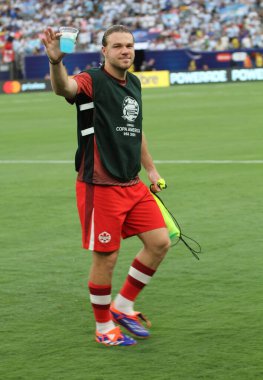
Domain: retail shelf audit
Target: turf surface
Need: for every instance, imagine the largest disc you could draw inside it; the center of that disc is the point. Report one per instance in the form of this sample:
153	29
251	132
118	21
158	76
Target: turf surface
206	315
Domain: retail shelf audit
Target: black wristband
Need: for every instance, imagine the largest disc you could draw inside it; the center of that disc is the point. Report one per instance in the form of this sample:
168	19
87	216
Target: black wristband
54	62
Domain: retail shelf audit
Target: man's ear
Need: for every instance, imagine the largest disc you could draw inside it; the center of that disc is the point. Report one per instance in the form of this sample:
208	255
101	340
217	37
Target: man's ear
103	49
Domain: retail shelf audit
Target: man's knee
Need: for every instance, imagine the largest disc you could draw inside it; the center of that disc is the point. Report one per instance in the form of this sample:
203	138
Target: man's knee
159	246
157	242
107	260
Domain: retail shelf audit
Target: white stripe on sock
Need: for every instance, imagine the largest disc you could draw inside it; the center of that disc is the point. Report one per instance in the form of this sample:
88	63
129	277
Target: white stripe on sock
100	300
144	278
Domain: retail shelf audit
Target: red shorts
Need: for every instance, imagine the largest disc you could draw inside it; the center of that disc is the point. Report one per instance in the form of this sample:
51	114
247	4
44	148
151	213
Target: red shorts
109	213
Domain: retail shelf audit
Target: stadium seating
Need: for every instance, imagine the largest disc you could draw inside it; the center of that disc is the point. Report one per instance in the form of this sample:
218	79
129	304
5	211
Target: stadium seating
159	24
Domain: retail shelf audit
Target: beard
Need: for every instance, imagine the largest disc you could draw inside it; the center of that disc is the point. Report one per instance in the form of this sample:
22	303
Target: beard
122	64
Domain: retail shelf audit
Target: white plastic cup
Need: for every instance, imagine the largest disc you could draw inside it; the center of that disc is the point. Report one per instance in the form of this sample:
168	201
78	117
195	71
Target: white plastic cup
68	39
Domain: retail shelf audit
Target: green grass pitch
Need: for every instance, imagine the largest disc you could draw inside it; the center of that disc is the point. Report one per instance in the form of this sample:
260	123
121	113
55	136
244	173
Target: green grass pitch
207	314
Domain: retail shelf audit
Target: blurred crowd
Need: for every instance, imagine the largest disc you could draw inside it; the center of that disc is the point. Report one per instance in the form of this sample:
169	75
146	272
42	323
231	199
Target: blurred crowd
206	25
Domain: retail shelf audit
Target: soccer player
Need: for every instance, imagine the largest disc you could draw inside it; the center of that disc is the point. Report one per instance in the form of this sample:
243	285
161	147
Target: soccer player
113	202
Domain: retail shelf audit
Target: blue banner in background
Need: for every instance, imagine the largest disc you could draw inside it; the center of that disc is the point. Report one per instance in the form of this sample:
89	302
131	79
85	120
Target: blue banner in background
181	60
172	60
151	79
37	66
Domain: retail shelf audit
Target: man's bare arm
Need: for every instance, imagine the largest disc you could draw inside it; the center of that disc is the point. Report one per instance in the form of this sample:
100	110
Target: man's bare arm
61	83
148	164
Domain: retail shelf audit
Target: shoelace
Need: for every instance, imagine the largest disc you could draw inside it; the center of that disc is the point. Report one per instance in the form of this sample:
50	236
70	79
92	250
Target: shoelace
117	332
143	318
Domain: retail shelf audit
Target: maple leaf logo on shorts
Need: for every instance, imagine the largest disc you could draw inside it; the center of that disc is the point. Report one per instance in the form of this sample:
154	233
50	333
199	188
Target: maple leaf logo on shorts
104	237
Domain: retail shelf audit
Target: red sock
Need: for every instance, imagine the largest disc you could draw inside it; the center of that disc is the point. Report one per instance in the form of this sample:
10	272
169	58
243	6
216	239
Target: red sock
100	298
139	276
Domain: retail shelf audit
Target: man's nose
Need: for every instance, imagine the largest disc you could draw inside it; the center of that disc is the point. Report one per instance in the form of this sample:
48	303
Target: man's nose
125	50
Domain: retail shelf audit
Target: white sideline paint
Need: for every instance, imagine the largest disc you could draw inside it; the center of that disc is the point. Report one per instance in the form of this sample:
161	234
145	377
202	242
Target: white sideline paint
36	162
208	161
178	162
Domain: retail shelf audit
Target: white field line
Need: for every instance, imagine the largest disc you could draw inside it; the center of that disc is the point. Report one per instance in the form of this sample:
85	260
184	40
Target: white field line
219	162
60	162
178	162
